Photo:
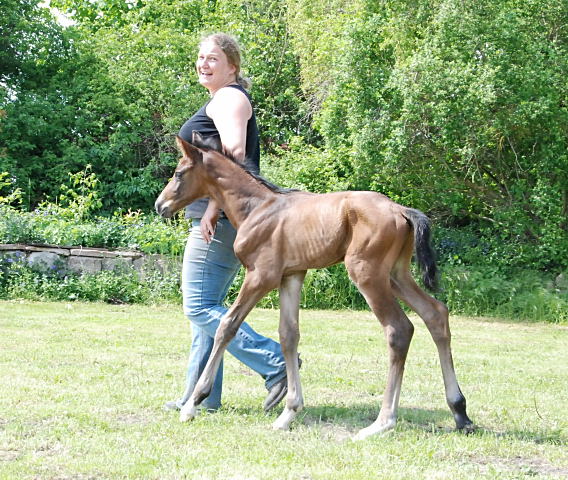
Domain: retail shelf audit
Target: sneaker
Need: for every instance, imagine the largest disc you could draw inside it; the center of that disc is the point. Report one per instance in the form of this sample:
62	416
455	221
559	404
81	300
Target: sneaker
172	405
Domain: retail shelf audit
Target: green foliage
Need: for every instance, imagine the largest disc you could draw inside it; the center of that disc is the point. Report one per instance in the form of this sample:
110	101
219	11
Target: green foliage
467	290
133	230
80	199
19	280
12	197
71	221
128	69
305	167
331	288
469	286
457	108
486	291
327	288
31	46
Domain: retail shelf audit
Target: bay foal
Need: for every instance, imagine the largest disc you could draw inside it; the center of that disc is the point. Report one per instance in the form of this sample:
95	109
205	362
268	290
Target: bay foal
281	234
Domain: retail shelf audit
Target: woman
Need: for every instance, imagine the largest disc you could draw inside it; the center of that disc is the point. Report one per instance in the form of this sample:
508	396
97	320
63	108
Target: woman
209	264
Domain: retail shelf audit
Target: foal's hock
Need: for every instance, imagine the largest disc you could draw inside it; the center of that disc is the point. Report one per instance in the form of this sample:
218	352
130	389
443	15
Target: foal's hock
282	233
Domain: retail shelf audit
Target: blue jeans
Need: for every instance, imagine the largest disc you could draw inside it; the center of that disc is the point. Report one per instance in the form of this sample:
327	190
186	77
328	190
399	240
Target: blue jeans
208	272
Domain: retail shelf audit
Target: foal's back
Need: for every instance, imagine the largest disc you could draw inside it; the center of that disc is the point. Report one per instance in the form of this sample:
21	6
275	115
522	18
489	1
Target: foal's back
306	230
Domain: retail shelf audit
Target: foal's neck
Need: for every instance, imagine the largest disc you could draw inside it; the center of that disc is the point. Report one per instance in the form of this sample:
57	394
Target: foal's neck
236	190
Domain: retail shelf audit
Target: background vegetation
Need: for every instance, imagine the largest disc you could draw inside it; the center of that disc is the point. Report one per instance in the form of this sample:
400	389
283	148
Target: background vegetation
457	108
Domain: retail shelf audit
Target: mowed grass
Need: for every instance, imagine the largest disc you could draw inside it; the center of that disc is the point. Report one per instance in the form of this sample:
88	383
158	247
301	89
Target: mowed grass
82	388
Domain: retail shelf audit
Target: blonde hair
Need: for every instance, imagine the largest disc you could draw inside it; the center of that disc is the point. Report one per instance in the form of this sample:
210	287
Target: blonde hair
230	47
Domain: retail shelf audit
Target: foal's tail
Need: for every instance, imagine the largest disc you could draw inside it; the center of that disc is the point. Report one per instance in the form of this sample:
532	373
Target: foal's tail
425	255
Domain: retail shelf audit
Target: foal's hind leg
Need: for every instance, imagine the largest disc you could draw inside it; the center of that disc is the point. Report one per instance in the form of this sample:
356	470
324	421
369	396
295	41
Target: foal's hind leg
374	284
289	330
435	316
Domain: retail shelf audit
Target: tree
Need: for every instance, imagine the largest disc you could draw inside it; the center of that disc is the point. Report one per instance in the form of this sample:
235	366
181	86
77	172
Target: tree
124	85
457	108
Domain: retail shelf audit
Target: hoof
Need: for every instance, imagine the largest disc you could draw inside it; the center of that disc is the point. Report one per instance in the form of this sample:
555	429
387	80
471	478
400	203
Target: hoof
280	426
468	428
285	419
187	414
463	423
374	429
185	417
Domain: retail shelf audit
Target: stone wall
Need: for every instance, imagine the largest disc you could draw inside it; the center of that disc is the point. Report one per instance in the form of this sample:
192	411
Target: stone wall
89	260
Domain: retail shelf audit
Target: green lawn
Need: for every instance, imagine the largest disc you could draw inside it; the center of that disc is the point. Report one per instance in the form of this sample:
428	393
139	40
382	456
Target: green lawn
82	388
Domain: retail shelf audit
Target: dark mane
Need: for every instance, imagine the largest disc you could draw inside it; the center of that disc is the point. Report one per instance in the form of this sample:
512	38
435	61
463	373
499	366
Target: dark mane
213	142
271	186
259	178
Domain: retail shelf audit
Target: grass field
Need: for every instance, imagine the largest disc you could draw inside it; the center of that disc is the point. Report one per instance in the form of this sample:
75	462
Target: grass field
82	388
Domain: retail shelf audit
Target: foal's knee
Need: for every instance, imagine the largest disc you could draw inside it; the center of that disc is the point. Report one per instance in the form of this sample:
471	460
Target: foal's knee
399	338
289	339
226	331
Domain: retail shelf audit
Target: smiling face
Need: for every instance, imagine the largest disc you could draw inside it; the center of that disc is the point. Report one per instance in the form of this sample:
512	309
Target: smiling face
213	67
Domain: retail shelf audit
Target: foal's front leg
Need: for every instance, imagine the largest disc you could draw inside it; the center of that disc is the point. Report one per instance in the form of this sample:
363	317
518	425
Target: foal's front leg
253	289
289	331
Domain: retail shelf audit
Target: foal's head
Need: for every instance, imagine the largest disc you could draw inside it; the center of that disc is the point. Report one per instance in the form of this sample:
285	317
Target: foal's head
188	183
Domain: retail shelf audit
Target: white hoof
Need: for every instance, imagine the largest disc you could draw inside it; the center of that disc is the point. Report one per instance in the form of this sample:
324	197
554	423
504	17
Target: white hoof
280	425
187	413
374	429
284	420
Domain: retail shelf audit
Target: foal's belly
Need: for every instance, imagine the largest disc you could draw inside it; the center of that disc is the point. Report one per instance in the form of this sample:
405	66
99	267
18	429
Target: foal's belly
314	239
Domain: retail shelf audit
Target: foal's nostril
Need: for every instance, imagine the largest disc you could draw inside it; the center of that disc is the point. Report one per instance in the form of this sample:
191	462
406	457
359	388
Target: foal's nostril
160	208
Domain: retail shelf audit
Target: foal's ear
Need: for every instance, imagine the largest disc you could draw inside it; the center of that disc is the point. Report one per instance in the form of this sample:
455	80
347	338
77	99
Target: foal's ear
187	149
211	142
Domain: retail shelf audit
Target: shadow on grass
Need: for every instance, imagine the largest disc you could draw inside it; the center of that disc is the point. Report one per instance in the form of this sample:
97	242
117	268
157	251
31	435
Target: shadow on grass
432	421
357	416
553	437
347	420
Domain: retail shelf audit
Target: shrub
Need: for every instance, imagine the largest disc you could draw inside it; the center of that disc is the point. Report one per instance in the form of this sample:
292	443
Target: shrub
470	290
481	274
304	167
20	280
133	230
484	290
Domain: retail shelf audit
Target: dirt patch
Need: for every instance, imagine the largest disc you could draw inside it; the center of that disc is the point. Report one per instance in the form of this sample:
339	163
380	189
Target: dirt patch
329	430
8	455
50	449
133	419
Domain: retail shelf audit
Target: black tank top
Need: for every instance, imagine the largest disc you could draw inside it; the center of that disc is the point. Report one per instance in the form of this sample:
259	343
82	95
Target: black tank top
204	124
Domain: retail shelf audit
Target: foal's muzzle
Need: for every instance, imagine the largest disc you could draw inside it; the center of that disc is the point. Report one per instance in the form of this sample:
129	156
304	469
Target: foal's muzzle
162	208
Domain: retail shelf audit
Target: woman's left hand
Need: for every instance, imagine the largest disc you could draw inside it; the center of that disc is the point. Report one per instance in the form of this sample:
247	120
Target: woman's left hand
209	221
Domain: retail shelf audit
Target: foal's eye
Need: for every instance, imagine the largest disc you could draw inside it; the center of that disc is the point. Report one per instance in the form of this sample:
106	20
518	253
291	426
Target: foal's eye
177	175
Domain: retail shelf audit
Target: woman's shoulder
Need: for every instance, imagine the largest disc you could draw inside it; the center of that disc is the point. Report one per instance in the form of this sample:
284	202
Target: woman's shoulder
232	92
230	97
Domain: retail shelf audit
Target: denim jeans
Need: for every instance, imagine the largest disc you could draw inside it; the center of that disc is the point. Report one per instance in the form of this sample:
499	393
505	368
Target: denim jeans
207	273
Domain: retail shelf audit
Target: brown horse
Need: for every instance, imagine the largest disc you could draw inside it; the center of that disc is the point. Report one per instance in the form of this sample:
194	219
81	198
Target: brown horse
283	233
